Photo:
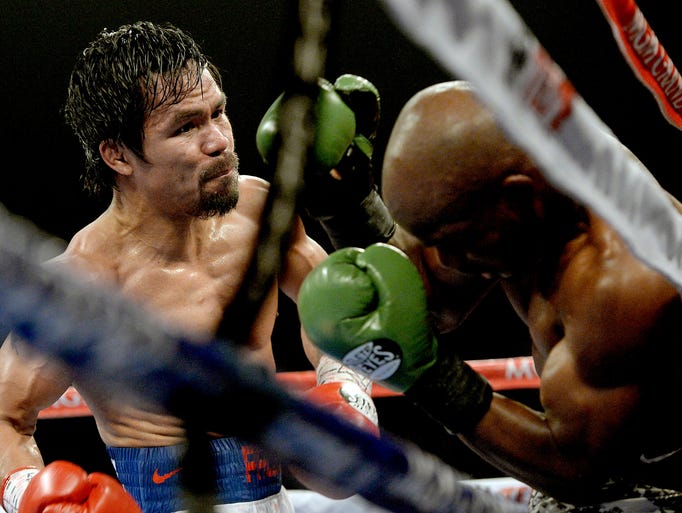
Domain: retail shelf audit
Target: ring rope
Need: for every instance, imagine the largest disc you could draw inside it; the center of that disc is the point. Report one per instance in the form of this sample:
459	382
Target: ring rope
646	56
502	373
116	347
278	218
276	224
488	43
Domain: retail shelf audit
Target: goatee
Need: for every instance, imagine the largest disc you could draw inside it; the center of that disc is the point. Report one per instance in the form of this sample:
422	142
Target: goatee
223	199
220	202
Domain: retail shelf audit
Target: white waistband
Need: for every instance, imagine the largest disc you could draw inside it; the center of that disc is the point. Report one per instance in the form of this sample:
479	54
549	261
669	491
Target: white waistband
278	503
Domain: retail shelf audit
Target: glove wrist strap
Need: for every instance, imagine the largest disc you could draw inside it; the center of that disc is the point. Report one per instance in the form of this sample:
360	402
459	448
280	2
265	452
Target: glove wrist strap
361	225
453	394
13	487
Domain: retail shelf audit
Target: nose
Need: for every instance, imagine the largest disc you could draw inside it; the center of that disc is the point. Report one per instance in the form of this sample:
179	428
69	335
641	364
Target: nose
218	139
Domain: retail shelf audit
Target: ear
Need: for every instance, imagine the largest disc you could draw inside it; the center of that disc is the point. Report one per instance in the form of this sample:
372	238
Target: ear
114	155
518	187
521	194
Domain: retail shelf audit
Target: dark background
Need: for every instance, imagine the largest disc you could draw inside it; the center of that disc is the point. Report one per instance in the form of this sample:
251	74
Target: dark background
250	42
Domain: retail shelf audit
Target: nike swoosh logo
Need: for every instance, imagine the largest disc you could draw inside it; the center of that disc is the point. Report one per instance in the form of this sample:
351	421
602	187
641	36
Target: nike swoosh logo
656	459
159	479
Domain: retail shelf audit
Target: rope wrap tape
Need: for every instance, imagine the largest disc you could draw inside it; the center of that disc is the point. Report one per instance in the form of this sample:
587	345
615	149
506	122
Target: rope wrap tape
646	56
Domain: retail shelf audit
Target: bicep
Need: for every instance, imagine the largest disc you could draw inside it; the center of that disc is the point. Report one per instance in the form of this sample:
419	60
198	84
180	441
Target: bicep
302	256
585	420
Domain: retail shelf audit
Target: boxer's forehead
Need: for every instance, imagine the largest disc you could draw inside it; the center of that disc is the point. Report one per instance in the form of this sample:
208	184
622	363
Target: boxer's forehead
206	94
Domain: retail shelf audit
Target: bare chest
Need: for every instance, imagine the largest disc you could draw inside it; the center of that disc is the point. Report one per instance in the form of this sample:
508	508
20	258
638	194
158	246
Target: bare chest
193	295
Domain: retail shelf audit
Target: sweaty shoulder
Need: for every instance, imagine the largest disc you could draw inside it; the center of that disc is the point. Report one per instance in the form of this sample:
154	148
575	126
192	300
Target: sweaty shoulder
253	185
614	306
90	253
631	278
253	193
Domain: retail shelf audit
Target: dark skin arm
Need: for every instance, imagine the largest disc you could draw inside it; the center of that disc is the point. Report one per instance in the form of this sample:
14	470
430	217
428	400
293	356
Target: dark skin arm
559	451
614	315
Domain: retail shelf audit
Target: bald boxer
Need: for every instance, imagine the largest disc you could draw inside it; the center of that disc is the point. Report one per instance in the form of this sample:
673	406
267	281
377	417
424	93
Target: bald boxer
474	212
178	237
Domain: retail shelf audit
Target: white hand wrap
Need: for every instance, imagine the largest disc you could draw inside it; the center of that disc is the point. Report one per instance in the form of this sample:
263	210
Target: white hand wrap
330	370
14	486
356	389
360	400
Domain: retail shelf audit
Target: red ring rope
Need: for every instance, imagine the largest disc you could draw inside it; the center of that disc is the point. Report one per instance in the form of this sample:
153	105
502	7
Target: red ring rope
646	56
503	374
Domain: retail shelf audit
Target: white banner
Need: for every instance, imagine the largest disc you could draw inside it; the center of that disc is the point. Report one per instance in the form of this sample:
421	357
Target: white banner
487	43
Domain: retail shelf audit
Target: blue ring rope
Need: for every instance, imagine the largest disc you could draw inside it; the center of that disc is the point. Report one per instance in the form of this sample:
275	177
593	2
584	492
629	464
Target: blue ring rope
118	346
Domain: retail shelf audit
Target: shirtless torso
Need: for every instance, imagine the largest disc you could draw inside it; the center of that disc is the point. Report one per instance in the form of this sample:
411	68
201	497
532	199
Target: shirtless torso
190	289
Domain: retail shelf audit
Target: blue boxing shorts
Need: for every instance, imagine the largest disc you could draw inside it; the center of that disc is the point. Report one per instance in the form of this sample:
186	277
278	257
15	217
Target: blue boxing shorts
246	481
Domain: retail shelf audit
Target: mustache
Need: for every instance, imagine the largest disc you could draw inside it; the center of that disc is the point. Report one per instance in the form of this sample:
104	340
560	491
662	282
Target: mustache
218	167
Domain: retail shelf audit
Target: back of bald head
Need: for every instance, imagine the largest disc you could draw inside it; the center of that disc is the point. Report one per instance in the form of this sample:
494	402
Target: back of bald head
441	145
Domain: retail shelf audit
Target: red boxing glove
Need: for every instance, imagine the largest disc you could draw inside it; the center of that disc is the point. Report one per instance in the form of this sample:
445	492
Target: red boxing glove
349	401
63	487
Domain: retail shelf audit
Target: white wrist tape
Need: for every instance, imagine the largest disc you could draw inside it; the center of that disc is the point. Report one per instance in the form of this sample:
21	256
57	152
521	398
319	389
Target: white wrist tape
14	486
332	371
360	400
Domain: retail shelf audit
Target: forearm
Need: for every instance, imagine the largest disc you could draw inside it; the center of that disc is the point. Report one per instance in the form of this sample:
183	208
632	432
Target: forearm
517	440
506	433
20	461
17	450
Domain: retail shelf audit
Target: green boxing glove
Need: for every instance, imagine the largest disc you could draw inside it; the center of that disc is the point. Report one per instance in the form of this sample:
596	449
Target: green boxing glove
334	132
345	202
368	309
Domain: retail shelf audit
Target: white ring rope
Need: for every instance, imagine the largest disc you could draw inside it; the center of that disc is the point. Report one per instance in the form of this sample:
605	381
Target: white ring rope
486	42
297	133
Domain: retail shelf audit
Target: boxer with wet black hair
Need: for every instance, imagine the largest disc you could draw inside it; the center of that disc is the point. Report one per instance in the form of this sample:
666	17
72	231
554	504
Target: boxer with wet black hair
178	237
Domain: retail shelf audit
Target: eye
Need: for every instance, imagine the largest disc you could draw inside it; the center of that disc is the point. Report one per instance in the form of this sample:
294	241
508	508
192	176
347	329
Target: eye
184	128
219	112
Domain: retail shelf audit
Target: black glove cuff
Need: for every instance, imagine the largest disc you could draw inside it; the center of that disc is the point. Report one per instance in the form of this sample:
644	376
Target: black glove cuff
360	225
453	394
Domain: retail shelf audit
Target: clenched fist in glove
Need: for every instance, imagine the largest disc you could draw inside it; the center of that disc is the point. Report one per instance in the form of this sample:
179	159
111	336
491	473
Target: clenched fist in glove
63	487
367	308
339	184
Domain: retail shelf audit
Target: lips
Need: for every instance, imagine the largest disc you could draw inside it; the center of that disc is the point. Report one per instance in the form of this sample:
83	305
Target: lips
219	168
225	172
214	175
